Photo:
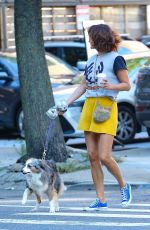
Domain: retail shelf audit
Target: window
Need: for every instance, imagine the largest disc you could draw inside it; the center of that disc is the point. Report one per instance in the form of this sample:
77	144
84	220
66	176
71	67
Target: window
74	54
53	50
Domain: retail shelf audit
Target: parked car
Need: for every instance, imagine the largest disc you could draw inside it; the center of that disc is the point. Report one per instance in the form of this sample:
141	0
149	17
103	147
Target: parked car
11	115
74	52
128	125
142	96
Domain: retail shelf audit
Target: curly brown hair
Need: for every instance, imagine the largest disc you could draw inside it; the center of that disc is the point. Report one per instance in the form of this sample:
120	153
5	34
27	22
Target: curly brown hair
104	38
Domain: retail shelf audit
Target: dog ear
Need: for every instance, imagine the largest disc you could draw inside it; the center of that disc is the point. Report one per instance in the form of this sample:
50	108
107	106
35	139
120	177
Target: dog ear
42	164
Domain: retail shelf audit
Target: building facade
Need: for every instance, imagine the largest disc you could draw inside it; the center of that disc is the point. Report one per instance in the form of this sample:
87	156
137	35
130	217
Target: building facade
64	17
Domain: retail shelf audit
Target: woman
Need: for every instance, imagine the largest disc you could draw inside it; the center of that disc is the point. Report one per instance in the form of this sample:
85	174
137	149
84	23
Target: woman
99	136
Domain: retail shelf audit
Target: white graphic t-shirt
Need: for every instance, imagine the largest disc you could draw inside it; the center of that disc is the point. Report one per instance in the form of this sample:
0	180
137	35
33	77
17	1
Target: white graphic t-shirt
107	63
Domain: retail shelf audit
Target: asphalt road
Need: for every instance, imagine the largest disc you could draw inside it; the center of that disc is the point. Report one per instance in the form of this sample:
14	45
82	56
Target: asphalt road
14	216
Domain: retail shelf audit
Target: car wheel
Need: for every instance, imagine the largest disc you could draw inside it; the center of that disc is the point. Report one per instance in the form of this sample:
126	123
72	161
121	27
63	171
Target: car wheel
20	123
127	124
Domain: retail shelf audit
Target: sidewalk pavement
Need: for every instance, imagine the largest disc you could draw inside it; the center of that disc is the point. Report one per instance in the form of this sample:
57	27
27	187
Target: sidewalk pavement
134	166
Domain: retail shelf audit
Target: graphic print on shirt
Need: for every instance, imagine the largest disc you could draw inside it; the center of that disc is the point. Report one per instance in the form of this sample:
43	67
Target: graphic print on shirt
89	72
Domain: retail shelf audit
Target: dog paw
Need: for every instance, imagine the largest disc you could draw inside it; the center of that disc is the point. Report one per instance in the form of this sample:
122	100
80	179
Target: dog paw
57	209
52	210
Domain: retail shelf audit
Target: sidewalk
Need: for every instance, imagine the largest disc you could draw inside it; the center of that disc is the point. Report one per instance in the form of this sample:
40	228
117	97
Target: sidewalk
133	170
134	167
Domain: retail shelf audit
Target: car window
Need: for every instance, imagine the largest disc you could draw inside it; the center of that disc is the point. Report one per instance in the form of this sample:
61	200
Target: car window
53	50
59	67
60	72
74	54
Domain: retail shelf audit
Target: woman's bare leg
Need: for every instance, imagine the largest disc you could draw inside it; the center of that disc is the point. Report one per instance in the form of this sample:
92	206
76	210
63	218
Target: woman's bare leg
105	154
96	169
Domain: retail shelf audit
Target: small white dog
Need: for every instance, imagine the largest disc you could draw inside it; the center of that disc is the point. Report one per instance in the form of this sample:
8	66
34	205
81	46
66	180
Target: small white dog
42	177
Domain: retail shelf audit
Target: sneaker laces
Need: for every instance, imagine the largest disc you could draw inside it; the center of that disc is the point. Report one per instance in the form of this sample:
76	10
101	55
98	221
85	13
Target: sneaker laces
94	202
124	193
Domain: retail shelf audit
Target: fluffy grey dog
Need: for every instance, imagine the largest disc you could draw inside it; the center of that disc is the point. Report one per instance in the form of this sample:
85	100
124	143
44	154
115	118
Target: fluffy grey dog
42	177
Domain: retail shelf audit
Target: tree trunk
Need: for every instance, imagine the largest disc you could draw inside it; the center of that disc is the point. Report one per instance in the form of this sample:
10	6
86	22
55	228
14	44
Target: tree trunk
35	86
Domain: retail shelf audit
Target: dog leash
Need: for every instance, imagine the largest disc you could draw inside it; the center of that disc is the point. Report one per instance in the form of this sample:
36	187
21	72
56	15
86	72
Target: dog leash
48	135
52	114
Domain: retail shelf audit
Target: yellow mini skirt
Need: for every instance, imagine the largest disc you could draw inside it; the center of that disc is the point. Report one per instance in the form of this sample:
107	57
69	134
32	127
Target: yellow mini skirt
87	123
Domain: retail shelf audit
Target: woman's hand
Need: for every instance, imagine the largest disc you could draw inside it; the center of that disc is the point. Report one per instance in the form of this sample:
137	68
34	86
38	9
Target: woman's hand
61	112
123	85
106	85
62	107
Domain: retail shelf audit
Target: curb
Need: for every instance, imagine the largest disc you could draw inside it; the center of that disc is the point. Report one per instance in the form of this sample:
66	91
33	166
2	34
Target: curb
90	186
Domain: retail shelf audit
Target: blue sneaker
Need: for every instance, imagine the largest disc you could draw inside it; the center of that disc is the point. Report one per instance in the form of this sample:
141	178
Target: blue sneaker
126	195
96	205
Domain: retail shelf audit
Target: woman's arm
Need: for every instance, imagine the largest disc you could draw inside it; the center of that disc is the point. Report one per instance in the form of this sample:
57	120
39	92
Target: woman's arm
80	90
124	84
